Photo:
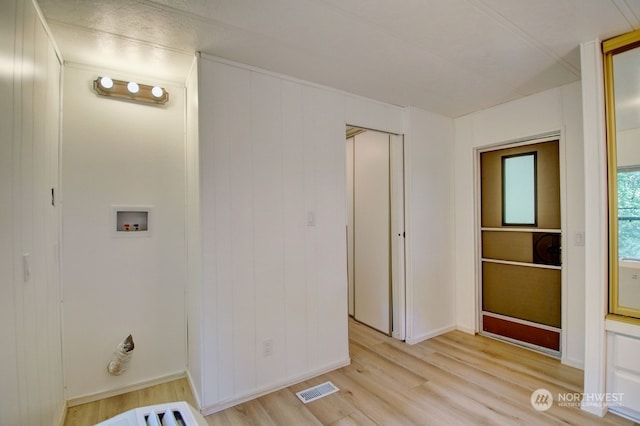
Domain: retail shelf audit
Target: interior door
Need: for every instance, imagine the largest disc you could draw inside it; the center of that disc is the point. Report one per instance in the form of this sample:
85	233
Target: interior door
375	194
521	245
372	230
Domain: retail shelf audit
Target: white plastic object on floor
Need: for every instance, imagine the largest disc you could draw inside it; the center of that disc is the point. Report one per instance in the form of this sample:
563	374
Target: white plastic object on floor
171	414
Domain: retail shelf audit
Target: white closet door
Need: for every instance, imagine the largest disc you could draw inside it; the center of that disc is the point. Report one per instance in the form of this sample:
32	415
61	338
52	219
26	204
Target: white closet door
350	143
372	292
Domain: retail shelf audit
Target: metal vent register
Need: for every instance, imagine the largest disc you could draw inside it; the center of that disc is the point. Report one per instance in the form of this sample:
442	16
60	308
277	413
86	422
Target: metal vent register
171	414
317	392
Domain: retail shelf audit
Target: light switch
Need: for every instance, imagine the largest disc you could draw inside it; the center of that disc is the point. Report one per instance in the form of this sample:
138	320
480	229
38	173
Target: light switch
578	238
26	267
311	219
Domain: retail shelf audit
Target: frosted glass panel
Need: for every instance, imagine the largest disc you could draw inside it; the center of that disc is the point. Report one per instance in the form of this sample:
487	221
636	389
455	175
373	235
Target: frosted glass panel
519	189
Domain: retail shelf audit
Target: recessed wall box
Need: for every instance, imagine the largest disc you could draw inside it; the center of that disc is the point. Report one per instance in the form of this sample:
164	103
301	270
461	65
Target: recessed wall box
131	221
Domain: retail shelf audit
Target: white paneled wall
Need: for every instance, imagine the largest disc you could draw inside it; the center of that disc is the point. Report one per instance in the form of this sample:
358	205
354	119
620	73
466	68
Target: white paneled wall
128	154
9	398
430	234
31	389
273	211
574	255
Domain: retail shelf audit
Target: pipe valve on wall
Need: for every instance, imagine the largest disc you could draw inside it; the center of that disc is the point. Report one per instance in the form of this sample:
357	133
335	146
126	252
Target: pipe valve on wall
121	357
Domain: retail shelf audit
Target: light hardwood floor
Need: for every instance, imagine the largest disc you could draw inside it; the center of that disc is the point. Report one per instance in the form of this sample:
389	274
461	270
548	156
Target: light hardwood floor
455	378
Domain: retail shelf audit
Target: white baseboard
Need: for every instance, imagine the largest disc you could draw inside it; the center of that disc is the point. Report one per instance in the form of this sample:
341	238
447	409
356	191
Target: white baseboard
63	414
137	386
593	409
467	330
223	405
434	333
196	395
575	363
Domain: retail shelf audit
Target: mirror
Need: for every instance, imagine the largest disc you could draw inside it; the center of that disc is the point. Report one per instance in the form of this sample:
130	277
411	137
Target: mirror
622	86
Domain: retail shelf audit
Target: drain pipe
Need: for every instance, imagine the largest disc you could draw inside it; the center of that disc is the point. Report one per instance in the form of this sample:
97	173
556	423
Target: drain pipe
121	357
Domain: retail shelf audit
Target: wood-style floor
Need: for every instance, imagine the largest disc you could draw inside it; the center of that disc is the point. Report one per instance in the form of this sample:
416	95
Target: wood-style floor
95	412
455	378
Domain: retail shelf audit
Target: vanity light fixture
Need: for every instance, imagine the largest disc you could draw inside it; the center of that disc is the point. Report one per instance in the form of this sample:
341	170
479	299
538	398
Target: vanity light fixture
106	82
130	90
157	92
133	87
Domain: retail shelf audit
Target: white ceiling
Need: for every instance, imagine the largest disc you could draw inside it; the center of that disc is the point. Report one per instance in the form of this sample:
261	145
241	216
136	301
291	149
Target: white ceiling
451	57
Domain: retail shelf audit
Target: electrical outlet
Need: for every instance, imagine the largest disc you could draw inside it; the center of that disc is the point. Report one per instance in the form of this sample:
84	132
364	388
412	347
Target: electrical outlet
267	347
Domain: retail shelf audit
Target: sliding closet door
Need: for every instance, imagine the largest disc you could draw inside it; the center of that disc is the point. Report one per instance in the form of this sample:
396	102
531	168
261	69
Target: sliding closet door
372	231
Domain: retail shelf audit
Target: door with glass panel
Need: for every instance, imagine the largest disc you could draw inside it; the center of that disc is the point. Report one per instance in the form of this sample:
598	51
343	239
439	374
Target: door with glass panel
521	245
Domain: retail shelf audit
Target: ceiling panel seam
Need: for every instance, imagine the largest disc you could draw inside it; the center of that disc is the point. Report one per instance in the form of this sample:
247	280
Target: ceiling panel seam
627	12
119	36
415	44
211	21
375	27
523	35
181	12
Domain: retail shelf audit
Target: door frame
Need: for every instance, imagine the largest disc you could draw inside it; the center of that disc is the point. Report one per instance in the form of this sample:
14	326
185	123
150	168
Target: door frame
527	140
398	251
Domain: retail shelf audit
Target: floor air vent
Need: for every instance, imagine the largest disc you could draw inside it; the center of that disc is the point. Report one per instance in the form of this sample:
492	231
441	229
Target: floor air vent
317	392
172	414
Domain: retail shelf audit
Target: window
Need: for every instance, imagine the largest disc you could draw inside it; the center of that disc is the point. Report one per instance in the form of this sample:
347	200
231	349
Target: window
629	214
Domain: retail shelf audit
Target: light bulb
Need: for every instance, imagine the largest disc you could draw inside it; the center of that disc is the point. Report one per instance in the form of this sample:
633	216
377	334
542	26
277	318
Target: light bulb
106	82
157	91
133	87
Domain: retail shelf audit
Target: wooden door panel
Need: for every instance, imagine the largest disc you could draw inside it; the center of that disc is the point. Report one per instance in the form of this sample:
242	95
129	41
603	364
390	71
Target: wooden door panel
541	248
531	294
516	247
523	332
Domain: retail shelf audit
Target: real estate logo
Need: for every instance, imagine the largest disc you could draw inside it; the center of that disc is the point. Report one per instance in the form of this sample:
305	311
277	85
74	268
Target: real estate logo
541	399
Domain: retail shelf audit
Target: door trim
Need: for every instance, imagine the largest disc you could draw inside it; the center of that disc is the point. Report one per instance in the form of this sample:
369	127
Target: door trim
530	140
397	204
